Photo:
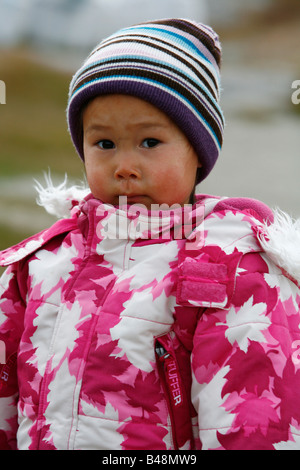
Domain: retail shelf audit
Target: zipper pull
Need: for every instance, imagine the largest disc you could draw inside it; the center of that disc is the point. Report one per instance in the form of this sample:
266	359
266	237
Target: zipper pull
161	351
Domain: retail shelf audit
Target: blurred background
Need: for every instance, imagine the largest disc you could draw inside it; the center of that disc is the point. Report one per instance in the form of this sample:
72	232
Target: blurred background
43	42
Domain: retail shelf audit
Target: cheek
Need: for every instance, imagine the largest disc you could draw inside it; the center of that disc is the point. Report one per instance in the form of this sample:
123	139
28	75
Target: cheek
90	173
95	177
161	178
94	168
178	180
180	173
173	187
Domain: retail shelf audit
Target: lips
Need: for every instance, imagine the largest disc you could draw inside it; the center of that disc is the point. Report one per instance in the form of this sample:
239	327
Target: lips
132	198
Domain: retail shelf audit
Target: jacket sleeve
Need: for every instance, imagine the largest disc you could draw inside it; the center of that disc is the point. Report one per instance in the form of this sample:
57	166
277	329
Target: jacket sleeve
11	322
246	363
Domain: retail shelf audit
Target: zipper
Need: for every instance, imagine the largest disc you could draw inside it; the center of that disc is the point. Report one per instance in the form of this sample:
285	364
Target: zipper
162	356
178	403
171	375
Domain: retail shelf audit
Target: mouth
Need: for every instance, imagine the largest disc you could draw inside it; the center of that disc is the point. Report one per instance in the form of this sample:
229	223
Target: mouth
134	198
129	199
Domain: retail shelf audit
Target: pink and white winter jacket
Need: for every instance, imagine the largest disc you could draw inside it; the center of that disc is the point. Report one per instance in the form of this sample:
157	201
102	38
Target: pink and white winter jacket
147	341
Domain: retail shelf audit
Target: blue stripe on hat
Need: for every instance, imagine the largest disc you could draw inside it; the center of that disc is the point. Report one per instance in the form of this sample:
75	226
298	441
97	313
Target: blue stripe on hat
161	85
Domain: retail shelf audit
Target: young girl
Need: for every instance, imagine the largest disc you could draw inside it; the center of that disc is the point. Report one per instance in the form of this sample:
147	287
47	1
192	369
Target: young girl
148	317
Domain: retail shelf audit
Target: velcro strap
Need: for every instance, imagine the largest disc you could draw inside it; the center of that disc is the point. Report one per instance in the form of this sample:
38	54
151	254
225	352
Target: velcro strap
202	284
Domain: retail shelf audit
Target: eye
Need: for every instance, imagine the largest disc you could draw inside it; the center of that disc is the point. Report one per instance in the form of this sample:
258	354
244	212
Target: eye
106	144
150	143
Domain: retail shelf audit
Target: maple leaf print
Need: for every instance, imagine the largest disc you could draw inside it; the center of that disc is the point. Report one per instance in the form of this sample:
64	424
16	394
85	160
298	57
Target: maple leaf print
241	440
246	323
144	391
251	371
209	403
45	438
153	435
293	443
254	412
54	276
94	284
108	366
286	388
207	351
100	379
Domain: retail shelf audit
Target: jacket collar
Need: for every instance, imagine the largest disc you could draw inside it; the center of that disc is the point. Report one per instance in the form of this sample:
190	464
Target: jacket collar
280	239
134	222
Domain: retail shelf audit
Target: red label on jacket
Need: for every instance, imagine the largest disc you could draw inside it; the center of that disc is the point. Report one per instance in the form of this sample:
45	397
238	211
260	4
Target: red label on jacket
173	380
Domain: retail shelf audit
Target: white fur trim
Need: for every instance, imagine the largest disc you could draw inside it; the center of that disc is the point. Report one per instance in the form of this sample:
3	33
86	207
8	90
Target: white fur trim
281	242
57	200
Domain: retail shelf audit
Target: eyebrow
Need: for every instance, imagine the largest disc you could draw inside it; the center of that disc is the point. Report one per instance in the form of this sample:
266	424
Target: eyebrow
96	127
145	125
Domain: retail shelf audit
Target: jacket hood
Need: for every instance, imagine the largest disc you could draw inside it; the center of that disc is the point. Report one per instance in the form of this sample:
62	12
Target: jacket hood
281	242
59	200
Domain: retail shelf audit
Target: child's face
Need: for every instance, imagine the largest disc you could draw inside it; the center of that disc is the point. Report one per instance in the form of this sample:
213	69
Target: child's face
133	149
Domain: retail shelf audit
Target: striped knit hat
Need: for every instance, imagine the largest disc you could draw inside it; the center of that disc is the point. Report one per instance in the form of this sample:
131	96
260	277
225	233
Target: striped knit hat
174	65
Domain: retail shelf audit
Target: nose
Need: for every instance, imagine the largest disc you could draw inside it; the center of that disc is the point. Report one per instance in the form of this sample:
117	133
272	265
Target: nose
127	168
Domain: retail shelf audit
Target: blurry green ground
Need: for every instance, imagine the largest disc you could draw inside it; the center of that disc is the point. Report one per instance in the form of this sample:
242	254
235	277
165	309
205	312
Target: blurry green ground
33	118
33	131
